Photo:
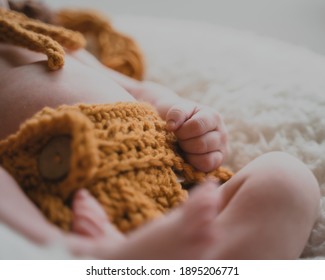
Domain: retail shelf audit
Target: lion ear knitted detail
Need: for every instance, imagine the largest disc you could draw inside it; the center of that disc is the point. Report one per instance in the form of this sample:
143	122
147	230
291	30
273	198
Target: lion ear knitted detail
17	29
112	48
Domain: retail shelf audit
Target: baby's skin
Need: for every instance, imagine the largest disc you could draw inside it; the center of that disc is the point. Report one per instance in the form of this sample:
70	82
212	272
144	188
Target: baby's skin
266	211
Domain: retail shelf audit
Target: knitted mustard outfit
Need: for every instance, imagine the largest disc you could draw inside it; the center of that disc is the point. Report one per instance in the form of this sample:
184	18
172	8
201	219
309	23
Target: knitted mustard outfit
122	152
112	48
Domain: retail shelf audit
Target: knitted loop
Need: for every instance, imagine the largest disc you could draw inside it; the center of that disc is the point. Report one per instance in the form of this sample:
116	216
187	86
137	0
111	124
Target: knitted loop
15	28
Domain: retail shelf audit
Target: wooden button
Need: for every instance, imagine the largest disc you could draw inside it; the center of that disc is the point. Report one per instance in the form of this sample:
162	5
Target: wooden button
54	159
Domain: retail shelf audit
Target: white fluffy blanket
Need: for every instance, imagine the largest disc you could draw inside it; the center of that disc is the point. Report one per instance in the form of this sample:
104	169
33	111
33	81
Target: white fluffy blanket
271	94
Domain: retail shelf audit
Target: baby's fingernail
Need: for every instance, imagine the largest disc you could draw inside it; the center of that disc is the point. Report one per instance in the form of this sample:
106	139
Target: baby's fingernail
82	193
171	125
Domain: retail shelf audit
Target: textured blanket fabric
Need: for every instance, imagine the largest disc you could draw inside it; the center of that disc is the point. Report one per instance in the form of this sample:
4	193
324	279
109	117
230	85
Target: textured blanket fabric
271	94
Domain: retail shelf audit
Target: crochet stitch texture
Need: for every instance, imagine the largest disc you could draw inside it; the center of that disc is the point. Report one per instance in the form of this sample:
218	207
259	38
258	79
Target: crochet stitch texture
122	153
17	29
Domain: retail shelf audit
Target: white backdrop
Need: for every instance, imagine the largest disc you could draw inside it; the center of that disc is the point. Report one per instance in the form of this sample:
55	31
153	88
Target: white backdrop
300	22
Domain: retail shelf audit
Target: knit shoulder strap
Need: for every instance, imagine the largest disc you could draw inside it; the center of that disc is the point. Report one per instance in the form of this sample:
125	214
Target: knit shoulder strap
17	29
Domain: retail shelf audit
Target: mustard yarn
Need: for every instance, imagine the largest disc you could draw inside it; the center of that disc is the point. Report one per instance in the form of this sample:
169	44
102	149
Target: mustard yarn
111	47
122	153
17	29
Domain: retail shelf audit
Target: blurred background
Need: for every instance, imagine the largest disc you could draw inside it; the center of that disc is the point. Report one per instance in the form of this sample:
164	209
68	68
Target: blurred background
301	22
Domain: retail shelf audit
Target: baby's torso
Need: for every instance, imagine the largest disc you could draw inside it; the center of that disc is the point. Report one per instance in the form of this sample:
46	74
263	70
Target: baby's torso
27	86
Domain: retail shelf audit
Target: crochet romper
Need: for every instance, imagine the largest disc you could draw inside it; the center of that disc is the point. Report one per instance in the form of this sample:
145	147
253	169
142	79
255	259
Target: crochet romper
121	153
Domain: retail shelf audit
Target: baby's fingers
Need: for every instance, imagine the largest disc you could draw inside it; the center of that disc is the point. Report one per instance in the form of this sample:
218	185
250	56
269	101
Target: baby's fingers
178	114
209	142
206	162
199	124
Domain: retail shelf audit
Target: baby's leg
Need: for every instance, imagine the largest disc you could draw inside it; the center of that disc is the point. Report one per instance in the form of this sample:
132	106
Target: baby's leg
267	210
185	233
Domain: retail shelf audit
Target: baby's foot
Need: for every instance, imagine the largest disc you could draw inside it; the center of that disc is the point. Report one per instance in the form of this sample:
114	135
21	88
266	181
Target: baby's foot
90	218
185	233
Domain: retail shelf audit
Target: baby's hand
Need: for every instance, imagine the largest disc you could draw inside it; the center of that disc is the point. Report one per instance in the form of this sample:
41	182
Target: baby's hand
201	133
